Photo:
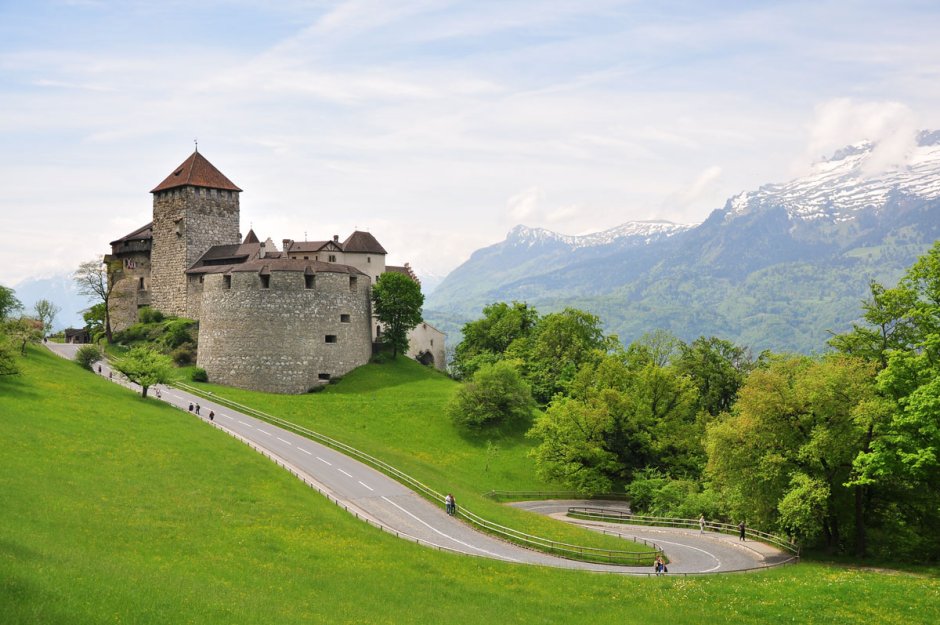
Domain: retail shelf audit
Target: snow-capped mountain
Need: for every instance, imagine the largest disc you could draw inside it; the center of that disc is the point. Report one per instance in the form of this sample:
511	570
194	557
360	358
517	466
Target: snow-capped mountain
638	231
778	267
837	188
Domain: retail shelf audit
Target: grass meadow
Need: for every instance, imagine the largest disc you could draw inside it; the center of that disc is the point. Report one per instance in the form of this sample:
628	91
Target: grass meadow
122	510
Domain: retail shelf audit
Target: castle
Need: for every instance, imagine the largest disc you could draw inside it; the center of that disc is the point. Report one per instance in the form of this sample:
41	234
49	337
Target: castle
273	320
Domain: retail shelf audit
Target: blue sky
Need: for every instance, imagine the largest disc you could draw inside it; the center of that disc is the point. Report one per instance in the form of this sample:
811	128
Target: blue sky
436	125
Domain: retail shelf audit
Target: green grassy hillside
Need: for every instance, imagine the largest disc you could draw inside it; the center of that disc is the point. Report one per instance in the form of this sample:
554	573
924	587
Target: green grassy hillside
121	510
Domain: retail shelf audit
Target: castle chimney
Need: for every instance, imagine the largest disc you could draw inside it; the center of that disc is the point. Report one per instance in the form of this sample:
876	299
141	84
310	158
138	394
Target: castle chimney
336	238
261	251
287	243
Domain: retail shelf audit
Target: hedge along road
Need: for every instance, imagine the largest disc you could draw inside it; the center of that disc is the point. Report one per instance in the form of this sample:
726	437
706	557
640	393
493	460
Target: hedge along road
385	502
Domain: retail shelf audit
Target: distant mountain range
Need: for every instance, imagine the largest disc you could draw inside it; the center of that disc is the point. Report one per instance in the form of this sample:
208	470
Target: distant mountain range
59	289
777	268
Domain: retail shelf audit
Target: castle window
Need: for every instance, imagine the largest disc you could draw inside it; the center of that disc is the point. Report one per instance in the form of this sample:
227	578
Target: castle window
344	318
202	279
306	258
323	376
368	259
378	330
330	338
332	258
265	282
352	283
226	282
140	283
308	281
432	342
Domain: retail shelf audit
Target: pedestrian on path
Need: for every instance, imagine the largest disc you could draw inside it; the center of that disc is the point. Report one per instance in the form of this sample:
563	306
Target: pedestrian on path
110	375
211	415
99	369
450	505
190	406
742	529
197	409
701	524
659	567
157	391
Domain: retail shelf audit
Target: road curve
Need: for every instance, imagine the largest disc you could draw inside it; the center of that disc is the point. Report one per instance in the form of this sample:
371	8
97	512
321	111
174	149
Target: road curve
390	505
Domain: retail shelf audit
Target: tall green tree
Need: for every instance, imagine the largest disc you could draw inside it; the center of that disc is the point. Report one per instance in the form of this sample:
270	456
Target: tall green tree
145	366
9	304
397	302
784	456
46	313
95	279
718	368
487	339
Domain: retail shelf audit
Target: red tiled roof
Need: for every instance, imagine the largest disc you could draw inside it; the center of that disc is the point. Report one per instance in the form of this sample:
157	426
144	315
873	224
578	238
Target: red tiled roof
251	237
196	171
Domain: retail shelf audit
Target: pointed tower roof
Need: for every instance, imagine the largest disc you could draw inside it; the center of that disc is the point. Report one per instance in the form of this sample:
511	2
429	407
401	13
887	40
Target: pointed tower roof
360	241
251	237
196	171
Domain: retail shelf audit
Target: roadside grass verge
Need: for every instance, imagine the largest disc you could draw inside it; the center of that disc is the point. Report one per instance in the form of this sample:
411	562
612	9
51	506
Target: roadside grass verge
395	412
118	509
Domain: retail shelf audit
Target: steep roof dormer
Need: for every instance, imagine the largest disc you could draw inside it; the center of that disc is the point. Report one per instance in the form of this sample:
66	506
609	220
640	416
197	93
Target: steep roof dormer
196	171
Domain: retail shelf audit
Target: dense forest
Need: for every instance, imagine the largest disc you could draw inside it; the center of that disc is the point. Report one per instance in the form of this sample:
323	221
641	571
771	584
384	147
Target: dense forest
840	451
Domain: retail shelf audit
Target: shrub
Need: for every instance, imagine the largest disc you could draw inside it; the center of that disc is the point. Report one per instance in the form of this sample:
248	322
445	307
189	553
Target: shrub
149	315
177	332
87	356
199	375
184	355
496	394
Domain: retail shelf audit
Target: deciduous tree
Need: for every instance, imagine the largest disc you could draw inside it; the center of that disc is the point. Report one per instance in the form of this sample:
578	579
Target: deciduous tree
96	280
397	300
146	367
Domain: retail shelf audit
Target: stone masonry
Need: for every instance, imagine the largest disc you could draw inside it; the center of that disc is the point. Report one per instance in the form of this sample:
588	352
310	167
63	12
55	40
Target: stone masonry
285	338
187	221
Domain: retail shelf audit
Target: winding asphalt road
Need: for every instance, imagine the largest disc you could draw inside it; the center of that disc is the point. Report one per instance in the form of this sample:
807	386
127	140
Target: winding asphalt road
390	505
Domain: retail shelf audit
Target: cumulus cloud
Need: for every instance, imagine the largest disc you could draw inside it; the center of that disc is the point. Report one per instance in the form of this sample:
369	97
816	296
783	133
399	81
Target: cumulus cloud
891	126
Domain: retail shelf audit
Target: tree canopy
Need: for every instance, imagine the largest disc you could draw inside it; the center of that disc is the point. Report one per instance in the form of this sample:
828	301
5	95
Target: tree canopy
145	366
397	301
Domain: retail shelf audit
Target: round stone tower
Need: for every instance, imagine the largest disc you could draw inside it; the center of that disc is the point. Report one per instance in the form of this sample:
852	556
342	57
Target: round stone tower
194	208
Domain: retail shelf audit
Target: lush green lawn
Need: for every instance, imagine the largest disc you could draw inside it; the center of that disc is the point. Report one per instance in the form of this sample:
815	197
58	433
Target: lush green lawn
395	412
116	509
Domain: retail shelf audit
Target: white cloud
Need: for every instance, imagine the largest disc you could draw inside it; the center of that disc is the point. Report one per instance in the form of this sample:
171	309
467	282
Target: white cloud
890	125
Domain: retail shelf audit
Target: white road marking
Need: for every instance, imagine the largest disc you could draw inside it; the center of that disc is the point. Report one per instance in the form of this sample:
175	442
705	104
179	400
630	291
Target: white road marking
265	432
324	461
245	423
225	416
343	472
305	451
284	441
177	396
366	485
707	553
437	531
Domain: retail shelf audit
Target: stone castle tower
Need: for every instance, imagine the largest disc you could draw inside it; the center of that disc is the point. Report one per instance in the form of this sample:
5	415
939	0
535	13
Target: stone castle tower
194	208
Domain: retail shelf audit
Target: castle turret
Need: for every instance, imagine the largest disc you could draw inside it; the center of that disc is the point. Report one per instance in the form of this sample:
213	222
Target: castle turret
194	208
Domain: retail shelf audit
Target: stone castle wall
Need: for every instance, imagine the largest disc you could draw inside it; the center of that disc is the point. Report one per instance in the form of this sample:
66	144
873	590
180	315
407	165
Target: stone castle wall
128	294
275	339
187	221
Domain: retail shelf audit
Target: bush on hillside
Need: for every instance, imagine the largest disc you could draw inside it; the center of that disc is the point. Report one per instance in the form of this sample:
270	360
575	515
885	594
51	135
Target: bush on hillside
184	355
87	356
199	375
149	315
176	332
495	395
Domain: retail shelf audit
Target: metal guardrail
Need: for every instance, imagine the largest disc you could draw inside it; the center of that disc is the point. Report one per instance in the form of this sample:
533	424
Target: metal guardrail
609	515
535	495
538	543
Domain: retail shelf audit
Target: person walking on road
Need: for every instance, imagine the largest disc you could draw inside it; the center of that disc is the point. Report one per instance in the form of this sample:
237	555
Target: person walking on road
190	406
701	524
742	530
660	566
197	409
211	415
450	505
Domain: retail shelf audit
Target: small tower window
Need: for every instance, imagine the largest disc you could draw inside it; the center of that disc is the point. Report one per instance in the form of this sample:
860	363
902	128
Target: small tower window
368	259
344	318
226	282
332	258
330	338
140	283
308	281
323	376
265	282
352	283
